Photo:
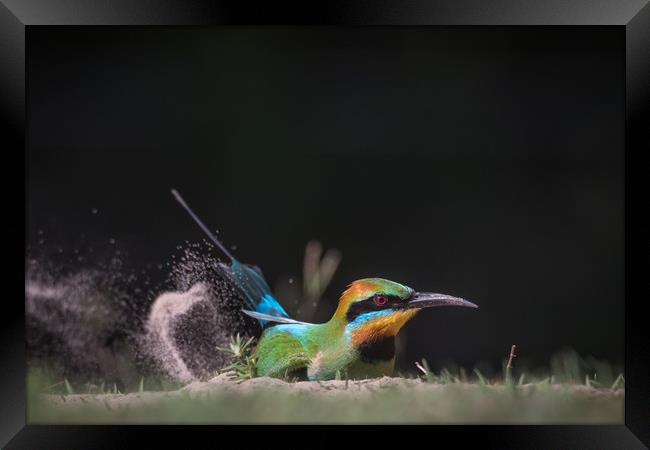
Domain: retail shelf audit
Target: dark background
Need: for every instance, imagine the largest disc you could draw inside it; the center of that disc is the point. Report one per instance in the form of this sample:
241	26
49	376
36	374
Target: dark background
481	162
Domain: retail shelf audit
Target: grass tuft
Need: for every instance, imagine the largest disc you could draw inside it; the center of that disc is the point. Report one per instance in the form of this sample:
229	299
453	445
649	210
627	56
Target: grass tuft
244	362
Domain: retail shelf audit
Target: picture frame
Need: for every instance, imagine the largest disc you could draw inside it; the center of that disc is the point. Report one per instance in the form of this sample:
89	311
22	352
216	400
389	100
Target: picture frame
632	16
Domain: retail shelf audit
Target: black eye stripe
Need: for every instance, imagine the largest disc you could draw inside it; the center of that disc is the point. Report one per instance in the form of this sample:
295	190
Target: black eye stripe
368	305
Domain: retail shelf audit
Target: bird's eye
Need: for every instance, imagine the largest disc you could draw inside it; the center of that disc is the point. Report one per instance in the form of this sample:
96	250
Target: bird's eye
381	299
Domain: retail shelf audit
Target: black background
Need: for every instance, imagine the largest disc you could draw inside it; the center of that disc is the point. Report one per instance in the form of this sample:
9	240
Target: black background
486	163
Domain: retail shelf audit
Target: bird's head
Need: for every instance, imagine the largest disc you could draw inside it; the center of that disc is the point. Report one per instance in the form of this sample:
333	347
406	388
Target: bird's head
374	308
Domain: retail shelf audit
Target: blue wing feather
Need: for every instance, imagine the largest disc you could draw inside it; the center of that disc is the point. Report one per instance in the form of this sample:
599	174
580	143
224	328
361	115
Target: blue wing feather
268	318
247	278
256	290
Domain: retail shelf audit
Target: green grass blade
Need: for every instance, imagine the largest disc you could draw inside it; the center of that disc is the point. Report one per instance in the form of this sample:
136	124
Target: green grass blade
521	379
68	387
480	376
620	381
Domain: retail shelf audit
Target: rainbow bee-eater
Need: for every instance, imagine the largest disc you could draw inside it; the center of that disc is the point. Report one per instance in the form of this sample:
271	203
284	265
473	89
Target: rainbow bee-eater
357	342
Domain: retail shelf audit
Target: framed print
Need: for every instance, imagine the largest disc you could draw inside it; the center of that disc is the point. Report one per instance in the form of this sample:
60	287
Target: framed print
336	214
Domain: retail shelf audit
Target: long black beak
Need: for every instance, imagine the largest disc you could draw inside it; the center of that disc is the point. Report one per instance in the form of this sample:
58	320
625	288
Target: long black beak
429	299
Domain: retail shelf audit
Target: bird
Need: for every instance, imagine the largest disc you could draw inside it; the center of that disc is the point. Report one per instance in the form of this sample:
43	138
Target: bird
358	342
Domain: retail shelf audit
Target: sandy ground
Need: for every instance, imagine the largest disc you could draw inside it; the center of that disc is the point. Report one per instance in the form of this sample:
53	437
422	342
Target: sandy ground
222	385
267	400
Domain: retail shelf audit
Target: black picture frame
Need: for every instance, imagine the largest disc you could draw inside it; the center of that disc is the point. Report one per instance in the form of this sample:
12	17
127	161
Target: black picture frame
16	18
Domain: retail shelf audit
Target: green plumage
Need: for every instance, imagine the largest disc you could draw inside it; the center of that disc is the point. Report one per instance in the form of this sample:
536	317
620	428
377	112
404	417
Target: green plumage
349	346
314	352
281	355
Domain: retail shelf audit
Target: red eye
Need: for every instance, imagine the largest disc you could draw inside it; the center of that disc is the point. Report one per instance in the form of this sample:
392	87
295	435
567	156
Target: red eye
381	299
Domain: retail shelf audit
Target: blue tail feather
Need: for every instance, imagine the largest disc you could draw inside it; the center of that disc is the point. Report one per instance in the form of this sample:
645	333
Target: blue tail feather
249	280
